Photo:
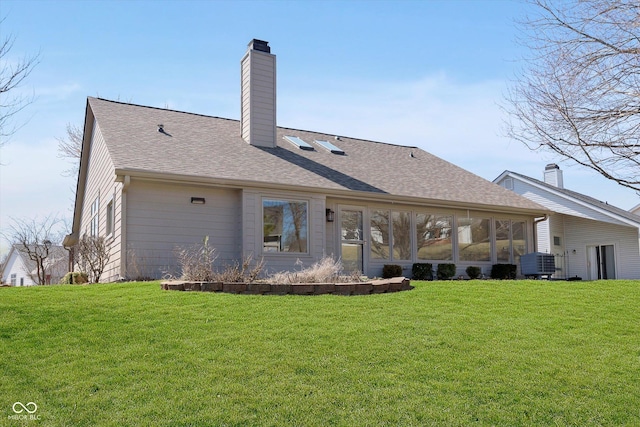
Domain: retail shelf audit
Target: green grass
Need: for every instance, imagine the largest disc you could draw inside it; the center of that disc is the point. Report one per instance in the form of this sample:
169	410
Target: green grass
446	353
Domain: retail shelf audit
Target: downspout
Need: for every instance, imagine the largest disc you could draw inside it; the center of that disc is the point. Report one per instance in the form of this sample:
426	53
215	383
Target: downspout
123	226
535	230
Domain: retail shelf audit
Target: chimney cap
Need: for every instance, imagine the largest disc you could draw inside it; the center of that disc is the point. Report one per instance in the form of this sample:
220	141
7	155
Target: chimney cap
551	166
260	45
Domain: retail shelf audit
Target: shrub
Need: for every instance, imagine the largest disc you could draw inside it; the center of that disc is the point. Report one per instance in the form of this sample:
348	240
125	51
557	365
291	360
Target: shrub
237	273
196	261
391	270
473	272
74	278
503	271
446	271
422	271
93	256
327	270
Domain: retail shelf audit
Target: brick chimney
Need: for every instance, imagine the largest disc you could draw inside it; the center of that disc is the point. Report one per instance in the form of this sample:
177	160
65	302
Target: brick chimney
553	175
258	103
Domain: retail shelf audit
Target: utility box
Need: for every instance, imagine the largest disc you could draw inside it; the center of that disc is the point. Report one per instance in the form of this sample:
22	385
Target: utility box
537	264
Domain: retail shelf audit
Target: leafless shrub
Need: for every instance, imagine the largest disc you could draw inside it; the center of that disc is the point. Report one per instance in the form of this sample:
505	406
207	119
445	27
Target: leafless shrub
137	266
327	270
196	261
93	256
245	273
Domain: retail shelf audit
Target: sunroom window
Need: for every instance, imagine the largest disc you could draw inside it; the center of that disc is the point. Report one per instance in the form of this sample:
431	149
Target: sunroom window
510	241
379	234
433	236
401	234
474	241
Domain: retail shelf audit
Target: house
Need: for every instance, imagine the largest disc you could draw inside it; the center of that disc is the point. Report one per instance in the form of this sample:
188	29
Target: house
154	179
20	270
589	239
635	210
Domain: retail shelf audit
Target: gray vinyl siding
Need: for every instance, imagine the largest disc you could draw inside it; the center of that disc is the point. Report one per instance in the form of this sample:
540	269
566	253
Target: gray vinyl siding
161	219
100	183
252	228
259	98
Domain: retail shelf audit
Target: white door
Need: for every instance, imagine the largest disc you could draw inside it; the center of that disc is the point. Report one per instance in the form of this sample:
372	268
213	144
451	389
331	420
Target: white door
352	239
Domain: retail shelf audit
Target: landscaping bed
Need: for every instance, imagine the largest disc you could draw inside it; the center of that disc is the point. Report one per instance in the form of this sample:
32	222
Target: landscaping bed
395	284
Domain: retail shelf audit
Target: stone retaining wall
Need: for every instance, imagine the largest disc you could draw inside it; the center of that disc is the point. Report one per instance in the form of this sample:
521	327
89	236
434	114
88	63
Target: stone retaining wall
395	284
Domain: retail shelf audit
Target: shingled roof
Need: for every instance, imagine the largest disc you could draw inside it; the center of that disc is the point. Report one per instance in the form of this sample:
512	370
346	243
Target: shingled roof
588	200
207	149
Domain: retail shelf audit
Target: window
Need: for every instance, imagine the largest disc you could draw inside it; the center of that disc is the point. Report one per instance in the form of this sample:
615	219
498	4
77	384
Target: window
510	241
390	235
379	234
13	279
285	226
473	239
401	234
94	224
433	237
518	240
503	241
110	215
557	241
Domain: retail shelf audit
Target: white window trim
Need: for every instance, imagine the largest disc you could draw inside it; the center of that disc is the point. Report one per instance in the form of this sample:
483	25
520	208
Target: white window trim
277	198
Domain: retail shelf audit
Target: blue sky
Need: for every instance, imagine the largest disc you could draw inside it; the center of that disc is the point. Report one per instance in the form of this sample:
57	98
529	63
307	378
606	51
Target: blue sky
430	73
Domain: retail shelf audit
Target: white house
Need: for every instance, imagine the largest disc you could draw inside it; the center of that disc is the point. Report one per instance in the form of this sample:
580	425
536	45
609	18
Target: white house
154	179
590	239
19	270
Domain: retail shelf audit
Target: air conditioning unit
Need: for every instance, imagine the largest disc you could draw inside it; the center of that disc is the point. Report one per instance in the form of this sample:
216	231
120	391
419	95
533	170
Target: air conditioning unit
537	264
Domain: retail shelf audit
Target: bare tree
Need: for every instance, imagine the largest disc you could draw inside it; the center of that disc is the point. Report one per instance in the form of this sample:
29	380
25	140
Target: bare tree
71	148
3	265
93	256
12	74
578	94
36	239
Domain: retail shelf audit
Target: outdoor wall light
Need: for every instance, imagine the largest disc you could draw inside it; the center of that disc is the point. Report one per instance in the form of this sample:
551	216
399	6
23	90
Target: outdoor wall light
330	215
197	200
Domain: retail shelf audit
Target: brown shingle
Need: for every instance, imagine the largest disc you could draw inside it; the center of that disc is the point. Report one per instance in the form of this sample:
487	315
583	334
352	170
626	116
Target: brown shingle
211	147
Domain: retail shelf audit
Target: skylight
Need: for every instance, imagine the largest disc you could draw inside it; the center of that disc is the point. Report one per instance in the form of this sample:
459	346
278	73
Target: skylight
329	146
298	143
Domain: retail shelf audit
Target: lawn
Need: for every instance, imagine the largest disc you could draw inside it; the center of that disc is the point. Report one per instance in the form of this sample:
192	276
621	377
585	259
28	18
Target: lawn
446	353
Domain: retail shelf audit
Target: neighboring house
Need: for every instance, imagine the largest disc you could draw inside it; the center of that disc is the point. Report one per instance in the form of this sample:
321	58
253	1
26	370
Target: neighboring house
153	179
19	270
590	239
635	210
